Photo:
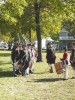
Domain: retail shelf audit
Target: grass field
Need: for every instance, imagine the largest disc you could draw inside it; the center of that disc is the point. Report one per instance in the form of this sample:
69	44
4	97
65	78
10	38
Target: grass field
41	85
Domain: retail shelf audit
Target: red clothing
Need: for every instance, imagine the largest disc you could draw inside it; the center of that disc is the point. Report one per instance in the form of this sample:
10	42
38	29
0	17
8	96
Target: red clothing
65	56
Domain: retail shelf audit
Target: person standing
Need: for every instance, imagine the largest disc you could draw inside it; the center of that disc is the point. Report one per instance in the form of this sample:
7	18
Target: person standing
65	63
50	56
26	61
13	56
72	59
33	59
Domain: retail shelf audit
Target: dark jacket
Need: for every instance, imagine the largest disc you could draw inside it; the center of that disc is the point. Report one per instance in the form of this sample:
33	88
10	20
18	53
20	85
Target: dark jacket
72	58
50	56
13	54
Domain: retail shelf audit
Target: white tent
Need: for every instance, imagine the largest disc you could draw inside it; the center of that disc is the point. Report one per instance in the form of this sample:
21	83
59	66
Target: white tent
50	39
44	42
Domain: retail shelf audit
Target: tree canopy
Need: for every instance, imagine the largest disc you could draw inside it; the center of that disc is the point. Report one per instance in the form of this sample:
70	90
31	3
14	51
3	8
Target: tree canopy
11	10
17	16
45	17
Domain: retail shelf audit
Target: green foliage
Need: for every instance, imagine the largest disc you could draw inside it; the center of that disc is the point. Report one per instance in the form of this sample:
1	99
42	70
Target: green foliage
18	16
5	38
11	10
70	26
50	25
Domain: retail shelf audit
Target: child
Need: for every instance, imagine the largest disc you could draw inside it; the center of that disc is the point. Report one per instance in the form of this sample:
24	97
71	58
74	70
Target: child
65	63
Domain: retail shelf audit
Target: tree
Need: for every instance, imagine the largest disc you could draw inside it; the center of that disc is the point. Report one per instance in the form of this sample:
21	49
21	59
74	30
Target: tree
37	20
53	8
69	25
48	14
11	10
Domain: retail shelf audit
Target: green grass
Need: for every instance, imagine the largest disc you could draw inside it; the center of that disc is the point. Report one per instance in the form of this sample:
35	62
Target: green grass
38	86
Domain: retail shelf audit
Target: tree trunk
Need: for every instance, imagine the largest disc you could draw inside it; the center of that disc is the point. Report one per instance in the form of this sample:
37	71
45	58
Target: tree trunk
29	33
37	20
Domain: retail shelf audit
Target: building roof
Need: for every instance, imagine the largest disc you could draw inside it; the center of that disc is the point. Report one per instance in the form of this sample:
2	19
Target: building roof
63	30
63	35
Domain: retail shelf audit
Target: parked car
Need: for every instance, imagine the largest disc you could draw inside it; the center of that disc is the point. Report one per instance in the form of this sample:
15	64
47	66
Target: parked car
3	45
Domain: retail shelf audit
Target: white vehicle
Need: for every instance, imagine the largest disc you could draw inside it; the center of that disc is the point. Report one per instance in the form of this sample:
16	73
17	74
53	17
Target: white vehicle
3	45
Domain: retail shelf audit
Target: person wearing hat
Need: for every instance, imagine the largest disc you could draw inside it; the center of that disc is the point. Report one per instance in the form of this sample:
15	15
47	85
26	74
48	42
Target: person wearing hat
50	56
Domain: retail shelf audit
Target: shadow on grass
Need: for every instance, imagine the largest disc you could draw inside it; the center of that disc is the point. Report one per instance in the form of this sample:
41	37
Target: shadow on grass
4	54
48	80
41	72
3	63
5	74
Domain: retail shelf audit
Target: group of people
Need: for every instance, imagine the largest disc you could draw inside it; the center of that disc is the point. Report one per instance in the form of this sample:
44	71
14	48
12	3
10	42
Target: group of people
23	59
51	58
